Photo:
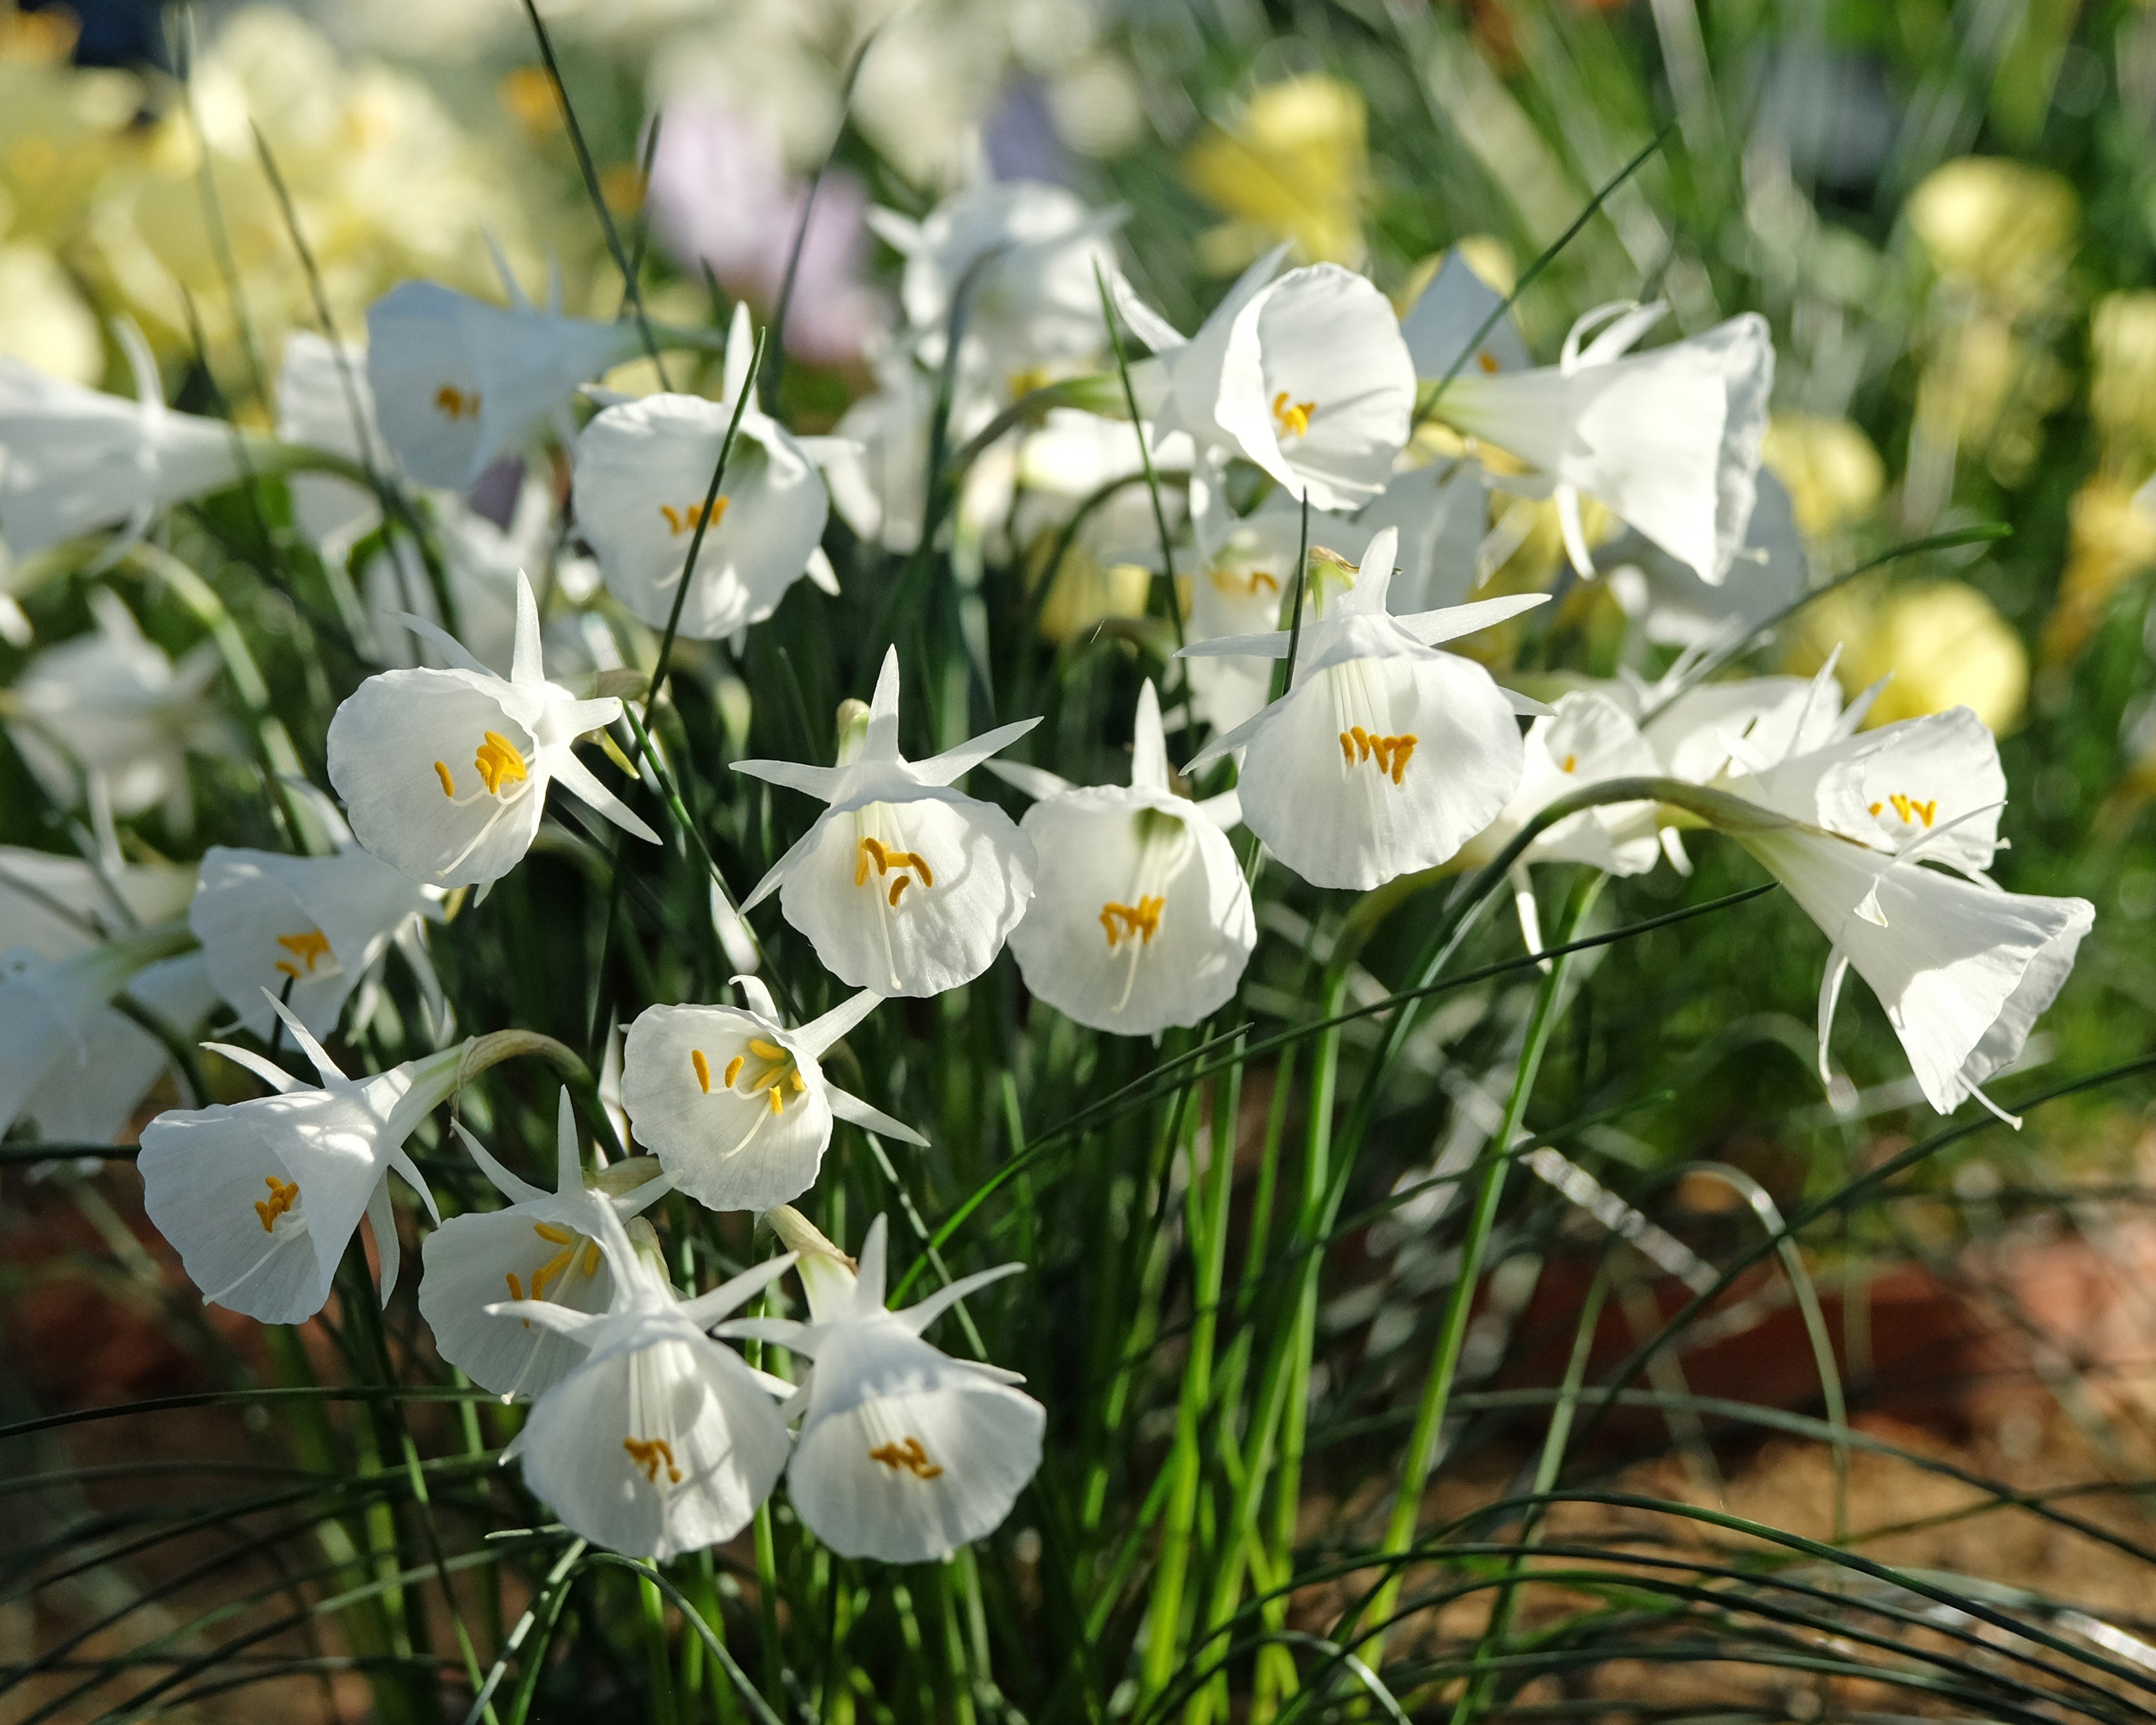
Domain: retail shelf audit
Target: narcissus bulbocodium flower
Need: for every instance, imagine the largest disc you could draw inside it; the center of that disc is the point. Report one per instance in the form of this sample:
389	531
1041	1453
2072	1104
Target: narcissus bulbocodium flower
644	470
904	1454
260	1198
306	928
1140	917
734	1102
457	382
661	1441
1668	440
444	772
541	1245
903	884
1387	755
1305	376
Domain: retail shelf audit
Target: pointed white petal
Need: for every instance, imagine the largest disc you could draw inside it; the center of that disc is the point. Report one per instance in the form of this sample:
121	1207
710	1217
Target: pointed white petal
584	784
849	1107
953	764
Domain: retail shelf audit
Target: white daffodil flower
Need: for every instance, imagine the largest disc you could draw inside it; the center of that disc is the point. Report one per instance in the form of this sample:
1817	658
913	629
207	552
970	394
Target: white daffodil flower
91	1093
661	1441
1305	376
260	1198
1669	440
1675	608
444	772
74	460
307	928
1031	250
1446	316
54	1012
735	1103
643	468
324	399
457	382
1140	917
482	560
903	884
111	707
905	1454
1387	755
1588	739
542	1245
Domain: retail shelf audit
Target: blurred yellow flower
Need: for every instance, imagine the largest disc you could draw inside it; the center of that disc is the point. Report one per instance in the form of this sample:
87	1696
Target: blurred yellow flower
2123	374
1832	473
1294	164
1944	643
2002	226
43	320
2110	540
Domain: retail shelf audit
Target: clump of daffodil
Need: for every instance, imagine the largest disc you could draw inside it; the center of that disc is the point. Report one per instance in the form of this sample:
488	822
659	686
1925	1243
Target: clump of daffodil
1944	644
1293	164
1832	473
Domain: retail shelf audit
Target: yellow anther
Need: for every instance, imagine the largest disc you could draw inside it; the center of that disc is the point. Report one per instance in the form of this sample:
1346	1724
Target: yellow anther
650	1453
1140	921
777	1092
795	1081
704	1069
283	1195
885	859
552	1233
448	784
907	1457
308	948
1488	362
1243	585
515	1287
1293	417
589	1264
733	1070
453	403
769	1050
548	1271
1910	810
1391	754
693	515
1876	807
500	760
1571	764
898	887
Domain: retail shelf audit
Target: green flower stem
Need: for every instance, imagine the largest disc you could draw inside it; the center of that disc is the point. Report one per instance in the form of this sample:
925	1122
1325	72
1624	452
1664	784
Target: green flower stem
656	1657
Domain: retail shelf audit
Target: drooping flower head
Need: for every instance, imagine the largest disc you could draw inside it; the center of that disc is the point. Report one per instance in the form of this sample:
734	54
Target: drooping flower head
660	1441
1140	917
1387	755
903	884
541	1245
444	772
735	1103
260	1199
905	1454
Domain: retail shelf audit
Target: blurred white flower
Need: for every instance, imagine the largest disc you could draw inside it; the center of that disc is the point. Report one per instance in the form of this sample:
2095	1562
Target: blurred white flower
469	821
325	400
735	1103
1668	440
903	884
1305	376
1140	917
306	928
1387	755
643	470
457	382
905	1454
261	1198
482	560
879	478
1448	314
541	1245
661	1441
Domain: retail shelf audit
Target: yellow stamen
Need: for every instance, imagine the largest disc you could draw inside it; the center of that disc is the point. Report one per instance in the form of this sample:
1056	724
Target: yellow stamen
1140	921
769	1050
898	887
283	1195
872	850
777	1094
453	403
589	1264
733	1070
704	1069
648	1454
309	948
499	760
1488	362
1243	585
692	514
1293	417
1391	754
1910	810
1571	763
552	1233
515	1287
448	784
548	1271
907	1457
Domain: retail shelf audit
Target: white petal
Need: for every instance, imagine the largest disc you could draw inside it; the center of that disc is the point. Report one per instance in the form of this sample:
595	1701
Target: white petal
468	1261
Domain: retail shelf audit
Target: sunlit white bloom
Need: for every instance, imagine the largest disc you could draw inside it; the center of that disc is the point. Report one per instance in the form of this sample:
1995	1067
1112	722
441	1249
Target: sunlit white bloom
662	1441
324	399
1025	254
110	707
643	469
458	381
735	1103
261	1198
1448	314
541	1245
1140	917
1305	376
74	460
903	884
1387	755
306	928
1674	607
904	1454
1669	440
483	559
444	772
